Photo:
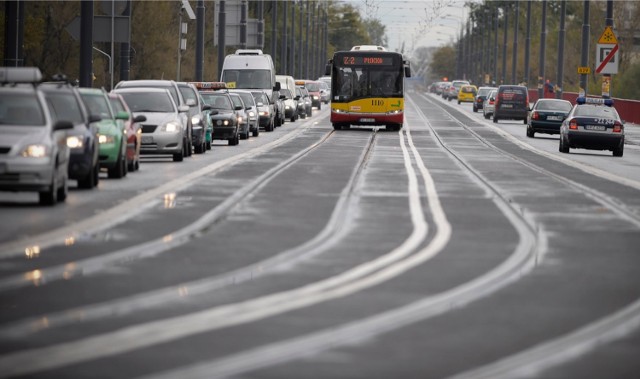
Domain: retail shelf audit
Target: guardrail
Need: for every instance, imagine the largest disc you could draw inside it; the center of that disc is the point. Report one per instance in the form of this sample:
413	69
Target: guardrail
629	110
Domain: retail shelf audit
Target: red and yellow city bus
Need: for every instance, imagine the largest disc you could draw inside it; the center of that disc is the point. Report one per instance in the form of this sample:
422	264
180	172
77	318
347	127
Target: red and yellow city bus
367	88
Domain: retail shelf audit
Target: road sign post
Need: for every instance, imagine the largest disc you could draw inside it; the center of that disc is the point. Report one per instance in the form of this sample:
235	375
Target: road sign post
607	51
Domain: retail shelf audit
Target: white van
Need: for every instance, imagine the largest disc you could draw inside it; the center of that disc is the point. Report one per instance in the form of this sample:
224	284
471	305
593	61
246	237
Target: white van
290	102
250	69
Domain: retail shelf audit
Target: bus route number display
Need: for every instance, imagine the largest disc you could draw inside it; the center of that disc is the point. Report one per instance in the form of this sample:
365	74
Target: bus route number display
367	61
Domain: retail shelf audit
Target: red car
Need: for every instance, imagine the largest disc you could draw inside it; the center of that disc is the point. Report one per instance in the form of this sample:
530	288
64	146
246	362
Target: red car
133	129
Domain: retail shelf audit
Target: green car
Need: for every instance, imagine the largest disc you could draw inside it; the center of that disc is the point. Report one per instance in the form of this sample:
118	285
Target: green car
111	131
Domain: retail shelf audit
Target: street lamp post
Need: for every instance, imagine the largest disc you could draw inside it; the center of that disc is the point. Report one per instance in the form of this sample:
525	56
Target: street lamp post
110	66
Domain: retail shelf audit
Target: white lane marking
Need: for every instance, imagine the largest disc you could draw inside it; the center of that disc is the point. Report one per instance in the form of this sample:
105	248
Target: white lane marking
156	332
127	209
336	228
518	264
148	249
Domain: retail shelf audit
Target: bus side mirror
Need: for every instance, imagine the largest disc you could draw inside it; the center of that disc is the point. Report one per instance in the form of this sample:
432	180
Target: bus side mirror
407	71
277	87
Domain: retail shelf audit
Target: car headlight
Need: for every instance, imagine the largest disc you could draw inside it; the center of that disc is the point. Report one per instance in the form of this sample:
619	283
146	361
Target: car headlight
315	97
222	122
252	114
286	107
35	151
196	119
105	138
239	119
74	142
264	113
170	127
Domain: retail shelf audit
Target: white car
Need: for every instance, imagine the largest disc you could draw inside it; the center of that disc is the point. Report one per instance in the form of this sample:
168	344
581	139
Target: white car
163	132
34	155
489	104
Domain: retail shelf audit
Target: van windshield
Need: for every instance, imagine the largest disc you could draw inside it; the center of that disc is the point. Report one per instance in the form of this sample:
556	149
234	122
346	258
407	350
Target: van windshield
247	79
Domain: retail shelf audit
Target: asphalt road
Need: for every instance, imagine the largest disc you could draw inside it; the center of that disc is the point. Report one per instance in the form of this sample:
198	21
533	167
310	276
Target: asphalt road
456	248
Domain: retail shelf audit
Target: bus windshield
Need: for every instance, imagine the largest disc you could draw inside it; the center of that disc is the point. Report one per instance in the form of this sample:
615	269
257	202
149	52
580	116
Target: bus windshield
357	82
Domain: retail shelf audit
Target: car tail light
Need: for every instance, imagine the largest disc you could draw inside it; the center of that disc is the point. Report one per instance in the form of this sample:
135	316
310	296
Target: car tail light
573	124
480	100
535	115
617	127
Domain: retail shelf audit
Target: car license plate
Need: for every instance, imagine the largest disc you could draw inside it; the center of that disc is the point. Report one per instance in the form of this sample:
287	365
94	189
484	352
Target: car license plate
506	106
554	118
367	120
147	139
595	127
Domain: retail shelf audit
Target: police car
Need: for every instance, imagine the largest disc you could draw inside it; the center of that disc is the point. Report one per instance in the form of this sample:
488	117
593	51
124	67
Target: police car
593	124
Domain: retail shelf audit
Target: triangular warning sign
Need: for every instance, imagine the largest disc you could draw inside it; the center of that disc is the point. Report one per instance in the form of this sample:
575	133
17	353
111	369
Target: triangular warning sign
608	37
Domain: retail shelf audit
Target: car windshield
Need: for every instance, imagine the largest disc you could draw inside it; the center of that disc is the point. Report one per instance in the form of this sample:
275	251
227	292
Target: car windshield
312	87
247	99
596	111
20	109
237	101
64	107
484	92
217	101
554	106
260	97
97	105
116	105
189	93
247	79
286	93
148	102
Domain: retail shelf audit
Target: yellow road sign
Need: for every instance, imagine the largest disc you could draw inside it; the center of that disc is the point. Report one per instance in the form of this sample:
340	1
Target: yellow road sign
608	37
584	70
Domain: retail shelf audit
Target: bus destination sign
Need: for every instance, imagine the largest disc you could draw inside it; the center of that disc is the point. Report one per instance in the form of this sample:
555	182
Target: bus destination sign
350	60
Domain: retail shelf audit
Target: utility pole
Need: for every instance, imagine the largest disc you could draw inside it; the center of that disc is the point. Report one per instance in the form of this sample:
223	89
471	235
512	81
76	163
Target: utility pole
584	56
527	46
503	78
496	14
514	62
561	33
606	78
543	41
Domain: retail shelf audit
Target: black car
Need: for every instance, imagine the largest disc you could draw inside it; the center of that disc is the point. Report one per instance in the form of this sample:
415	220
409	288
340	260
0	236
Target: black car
546	116
512	103
593	124
65	104
223	116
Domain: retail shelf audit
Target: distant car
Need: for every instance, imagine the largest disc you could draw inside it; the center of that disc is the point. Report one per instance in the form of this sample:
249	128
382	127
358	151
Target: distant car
452	92
34	155
163	132
133	131
290	102
546	116
196	117
325	92
489	104
307	101
326	79
266	111
223	116
243	115
65	104
592	124
251	110
441	88
481	97
314	92
467	94
302	107
178	98
111	133
512	103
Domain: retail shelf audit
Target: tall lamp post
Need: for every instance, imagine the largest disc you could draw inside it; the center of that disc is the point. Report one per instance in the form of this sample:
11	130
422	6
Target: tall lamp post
110	66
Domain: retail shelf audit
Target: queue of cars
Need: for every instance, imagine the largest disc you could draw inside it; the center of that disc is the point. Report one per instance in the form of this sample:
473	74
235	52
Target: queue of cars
590	123
53	132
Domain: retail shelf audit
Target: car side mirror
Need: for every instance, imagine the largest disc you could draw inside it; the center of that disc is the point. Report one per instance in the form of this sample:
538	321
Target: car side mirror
94	118
122	116
183	108
191	102
238	107
206	107
140	118
277	87
63	125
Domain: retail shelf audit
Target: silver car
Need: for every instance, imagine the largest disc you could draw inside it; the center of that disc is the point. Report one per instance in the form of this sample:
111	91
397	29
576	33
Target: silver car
163	132
489	104
34	155
251	110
